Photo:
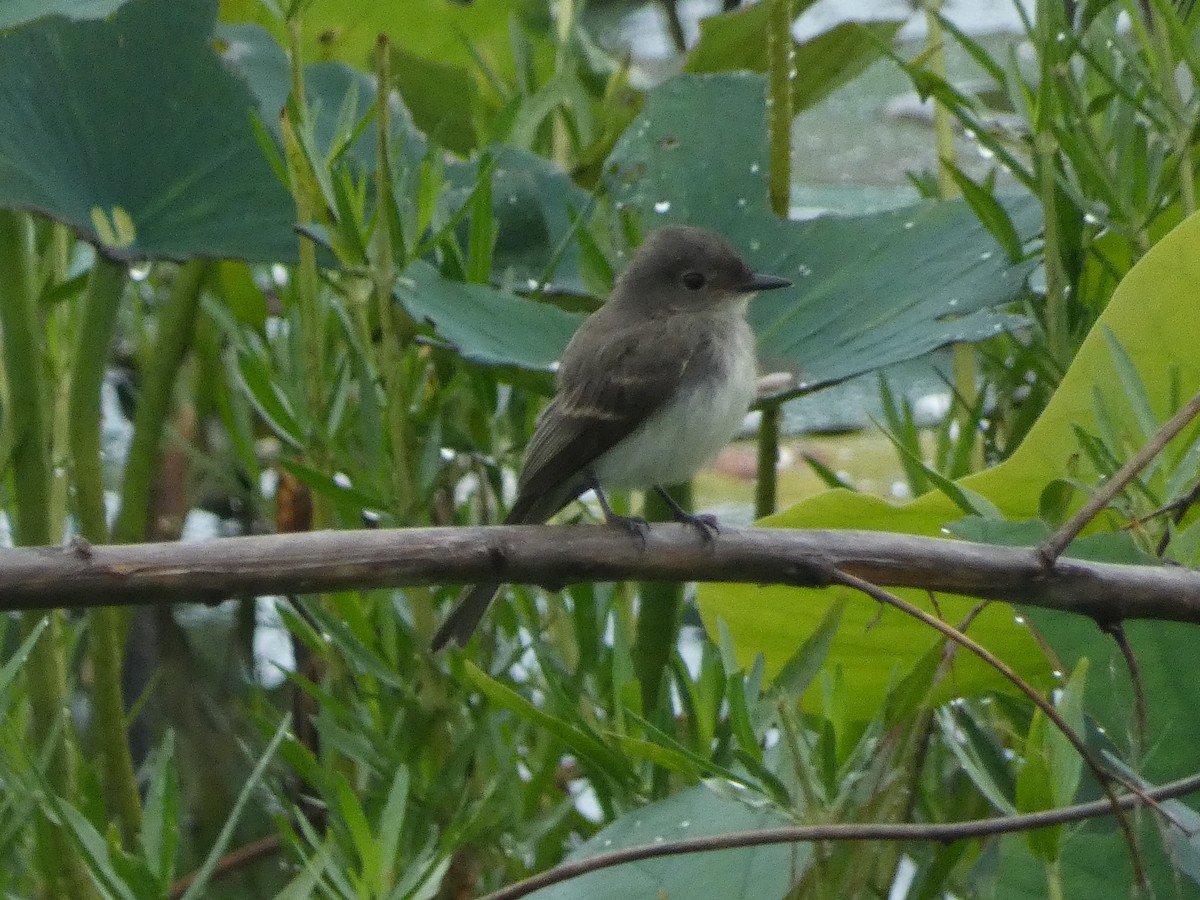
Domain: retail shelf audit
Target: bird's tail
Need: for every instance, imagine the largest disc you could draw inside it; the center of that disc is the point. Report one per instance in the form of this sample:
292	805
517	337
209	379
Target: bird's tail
474	601
464	618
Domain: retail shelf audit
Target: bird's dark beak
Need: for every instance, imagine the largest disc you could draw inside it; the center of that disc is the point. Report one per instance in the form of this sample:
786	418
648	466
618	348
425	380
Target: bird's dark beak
765	283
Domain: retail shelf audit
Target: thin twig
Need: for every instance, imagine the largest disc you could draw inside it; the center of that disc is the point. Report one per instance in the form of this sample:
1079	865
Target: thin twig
943	833
232	861
1053	547
1105	777
1116	631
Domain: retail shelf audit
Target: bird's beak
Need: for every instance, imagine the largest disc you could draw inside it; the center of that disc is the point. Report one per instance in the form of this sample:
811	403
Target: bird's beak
764	283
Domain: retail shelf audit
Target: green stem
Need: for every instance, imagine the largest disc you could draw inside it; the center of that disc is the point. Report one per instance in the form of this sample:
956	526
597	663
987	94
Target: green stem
658	616
966	366
26	410
46	670
396	329
177	324
781	56
766	487
1058	332
308	291
105	624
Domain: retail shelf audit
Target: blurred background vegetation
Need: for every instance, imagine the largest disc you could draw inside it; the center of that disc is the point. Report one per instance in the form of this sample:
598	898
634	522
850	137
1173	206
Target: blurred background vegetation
272	266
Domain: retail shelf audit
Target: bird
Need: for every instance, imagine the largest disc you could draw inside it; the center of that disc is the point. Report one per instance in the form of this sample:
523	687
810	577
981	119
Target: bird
650	388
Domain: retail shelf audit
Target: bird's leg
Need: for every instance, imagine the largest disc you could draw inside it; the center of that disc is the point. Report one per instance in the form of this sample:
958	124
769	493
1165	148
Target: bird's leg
633	524
705	523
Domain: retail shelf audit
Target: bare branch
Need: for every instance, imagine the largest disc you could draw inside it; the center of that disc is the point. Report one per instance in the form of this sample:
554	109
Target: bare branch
133	574
942	833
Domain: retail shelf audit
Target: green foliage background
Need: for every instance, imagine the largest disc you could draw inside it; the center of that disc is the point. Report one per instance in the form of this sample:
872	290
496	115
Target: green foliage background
240	280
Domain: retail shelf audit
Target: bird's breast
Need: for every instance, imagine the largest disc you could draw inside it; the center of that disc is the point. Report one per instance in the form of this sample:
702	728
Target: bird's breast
691	429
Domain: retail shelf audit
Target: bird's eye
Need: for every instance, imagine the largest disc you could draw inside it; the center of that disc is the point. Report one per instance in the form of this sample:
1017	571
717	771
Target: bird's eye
693	281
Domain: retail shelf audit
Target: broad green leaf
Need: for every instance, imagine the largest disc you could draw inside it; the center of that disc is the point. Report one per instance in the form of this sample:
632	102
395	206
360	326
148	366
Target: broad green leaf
870	290
1154	313
485	325
761	873
132	132
18	12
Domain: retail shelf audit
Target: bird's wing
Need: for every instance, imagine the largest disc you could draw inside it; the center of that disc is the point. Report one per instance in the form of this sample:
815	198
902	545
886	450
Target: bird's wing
601	400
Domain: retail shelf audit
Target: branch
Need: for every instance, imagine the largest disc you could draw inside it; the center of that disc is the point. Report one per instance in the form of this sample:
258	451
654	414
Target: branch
942	833
1053	547
133	574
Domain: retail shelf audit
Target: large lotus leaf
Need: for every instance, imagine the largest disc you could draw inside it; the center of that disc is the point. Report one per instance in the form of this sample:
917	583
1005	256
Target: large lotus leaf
870	290
761	873
737	40
19	12
485	325
1155	314
132	132
532	197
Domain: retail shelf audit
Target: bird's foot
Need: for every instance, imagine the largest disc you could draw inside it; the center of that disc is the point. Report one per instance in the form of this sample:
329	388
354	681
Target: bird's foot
705	523
635	525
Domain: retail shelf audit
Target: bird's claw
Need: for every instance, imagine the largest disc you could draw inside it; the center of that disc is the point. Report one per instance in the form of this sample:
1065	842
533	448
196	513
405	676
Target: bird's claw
705	523
635	525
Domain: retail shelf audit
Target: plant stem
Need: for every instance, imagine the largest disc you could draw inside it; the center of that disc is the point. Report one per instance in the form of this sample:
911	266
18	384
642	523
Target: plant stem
396	329
966	366
25	413
658	615
307	296
767	482
46	670
781	54
106	629
177	324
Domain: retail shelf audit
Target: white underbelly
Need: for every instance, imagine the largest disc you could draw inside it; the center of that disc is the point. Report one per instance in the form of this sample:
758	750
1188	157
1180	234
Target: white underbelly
683	436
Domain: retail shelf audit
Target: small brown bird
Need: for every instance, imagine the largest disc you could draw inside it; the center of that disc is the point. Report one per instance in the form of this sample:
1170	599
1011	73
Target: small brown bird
650	388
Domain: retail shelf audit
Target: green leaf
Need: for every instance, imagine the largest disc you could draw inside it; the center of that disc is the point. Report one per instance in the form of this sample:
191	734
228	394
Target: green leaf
144	150
205	872
17	662
441	96
391	823
799	671
355	821
95	850
869	290
699	811
160	822
1154	313
532	199
587	745
485	325
18	12
737	40
989	211
347	30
